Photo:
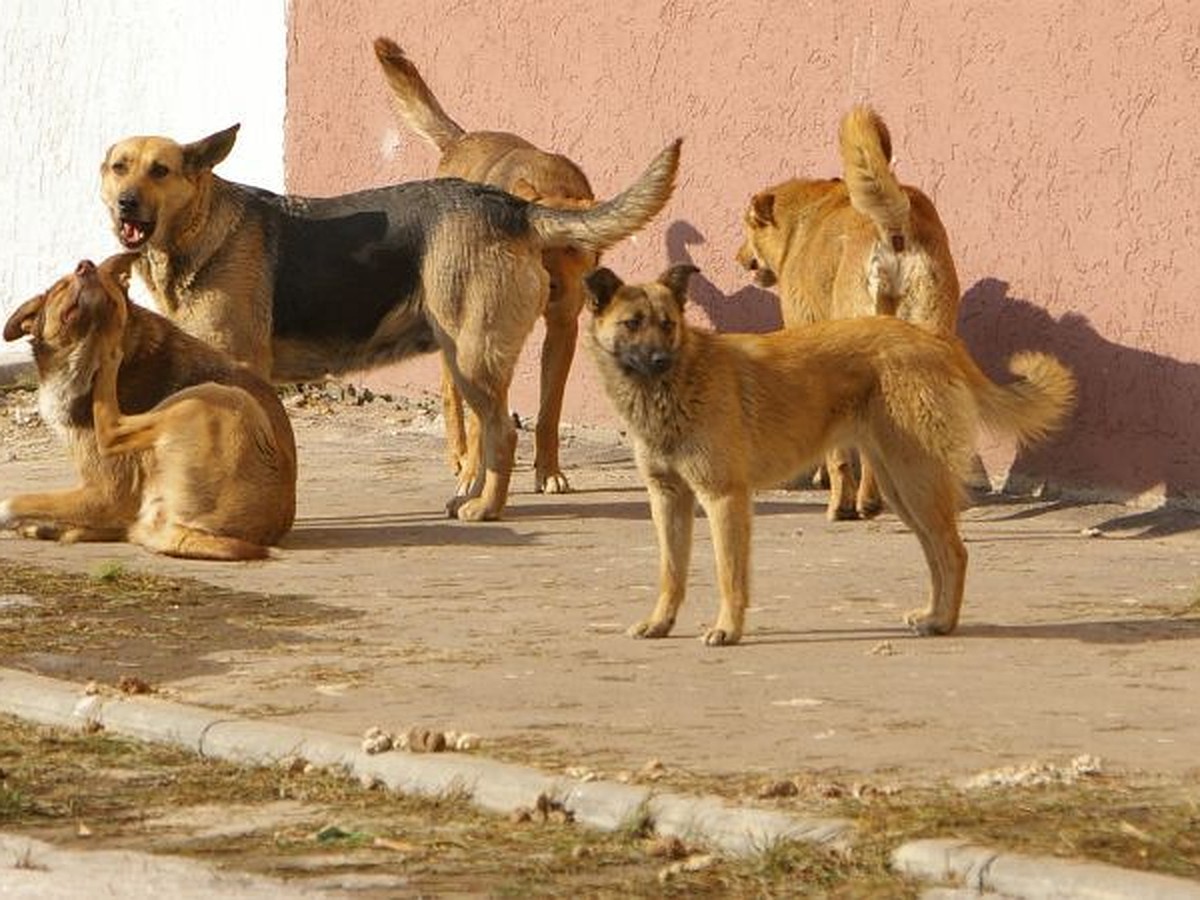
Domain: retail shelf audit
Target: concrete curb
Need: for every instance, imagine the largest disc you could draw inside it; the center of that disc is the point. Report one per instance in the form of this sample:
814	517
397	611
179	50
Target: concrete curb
495	786
978	869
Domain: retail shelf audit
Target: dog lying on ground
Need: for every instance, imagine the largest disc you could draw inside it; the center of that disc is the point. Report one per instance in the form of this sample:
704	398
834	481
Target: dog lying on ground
298	288
179	448
517	166
714	416
859	247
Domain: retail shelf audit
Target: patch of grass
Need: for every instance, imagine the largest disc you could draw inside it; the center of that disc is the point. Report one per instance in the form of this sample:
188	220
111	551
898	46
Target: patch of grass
85	626
111	572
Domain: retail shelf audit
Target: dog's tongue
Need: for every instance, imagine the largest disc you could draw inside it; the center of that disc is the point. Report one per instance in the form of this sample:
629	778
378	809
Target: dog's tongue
132	232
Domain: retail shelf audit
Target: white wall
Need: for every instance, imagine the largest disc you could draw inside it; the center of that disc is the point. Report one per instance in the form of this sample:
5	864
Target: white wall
78	75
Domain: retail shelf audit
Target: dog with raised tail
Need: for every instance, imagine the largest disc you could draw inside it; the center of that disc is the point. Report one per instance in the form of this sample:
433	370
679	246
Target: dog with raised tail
860	245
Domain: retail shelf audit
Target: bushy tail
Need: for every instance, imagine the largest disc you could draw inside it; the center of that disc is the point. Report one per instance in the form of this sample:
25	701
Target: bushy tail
610	221
874	191
415	103
1031	407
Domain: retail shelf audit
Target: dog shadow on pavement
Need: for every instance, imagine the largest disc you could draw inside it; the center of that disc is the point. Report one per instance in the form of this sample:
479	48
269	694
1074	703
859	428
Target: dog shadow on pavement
1137	420
368	531
1141	630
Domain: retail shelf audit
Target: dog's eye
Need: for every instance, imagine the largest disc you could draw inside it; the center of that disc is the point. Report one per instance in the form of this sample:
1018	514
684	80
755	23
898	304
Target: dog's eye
667	326
633	324
119	168
158	170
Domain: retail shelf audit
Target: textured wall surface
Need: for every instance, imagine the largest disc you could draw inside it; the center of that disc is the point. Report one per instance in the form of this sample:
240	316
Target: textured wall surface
77	75
1058	141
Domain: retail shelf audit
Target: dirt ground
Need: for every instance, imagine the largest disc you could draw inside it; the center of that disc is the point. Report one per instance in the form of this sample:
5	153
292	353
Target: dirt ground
1079	633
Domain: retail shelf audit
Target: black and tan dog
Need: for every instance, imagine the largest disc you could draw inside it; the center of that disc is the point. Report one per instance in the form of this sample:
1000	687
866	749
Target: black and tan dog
299	287
866	245
715	416
179	449
517	166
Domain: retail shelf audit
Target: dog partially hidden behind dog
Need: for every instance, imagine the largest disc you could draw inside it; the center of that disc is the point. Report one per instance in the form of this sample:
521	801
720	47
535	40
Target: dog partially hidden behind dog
178	448
513	164
866	245
714	416
299	288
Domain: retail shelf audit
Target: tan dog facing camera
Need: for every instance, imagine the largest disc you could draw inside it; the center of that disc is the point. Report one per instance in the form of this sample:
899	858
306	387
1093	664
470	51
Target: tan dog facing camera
179	449
714	416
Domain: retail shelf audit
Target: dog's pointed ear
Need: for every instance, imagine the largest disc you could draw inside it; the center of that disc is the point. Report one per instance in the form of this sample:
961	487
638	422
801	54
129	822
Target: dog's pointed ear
603	284
525	190
207	152
762	209
120	267
676	280
22	322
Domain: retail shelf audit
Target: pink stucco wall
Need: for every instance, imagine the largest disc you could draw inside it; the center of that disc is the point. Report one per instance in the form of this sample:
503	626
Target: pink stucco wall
1058	141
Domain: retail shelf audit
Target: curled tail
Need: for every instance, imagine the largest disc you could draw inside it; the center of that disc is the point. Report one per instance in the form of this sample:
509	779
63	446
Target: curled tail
610	221
866	149
1031	407
415	103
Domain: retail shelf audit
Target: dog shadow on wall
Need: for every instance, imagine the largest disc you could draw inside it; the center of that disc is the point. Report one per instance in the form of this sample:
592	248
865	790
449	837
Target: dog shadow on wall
747	309
1136	425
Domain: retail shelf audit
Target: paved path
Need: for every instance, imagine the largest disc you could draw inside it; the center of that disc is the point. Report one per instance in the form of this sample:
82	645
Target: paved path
1070	644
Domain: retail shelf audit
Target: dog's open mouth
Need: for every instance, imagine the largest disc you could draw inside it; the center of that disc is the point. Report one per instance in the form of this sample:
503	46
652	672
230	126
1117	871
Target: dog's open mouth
133	234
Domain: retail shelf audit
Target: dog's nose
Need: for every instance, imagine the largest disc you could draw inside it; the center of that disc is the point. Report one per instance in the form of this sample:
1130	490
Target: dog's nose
127	203
660	361
85	267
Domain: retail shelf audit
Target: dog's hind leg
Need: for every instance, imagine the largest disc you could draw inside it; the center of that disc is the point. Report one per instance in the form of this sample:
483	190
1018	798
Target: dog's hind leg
673	509
173	539
868	503
839	465
558	350
456	434
497	442
926	500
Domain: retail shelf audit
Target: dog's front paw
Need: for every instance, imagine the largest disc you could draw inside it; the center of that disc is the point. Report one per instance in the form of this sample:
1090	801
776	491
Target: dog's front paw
651	628
475	509
926	624
721	637
552	483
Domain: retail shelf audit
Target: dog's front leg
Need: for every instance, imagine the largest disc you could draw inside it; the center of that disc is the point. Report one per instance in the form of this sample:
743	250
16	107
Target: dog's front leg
729	517
85	513
672	506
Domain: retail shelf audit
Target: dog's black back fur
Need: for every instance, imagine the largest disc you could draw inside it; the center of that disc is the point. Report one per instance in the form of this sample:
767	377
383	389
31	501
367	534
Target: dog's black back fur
343	263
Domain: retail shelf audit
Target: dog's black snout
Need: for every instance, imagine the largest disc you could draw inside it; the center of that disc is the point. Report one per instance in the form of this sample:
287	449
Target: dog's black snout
127	203
659	361
85	267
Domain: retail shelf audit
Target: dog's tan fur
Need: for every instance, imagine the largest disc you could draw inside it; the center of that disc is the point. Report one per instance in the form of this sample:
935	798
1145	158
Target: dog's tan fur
862	246
207	471
372	277
514	164
714	416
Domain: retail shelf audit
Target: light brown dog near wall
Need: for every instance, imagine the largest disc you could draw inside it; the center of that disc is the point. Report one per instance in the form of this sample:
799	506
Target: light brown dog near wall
862	246
178	448
714	416
517	166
